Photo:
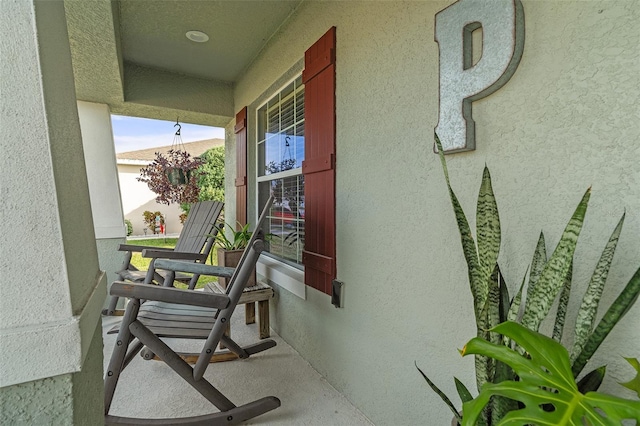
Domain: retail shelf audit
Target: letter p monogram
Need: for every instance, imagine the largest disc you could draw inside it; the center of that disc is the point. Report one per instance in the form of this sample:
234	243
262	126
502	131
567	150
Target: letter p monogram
461	83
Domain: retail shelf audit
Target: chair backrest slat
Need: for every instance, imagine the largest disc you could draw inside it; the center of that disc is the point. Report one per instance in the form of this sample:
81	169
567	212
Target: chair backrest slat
199	226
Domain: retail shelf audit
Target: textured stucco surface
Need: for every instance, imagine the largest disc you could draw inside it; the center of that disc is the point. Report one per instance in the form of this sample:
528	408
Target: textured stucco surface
55	206
93	33
41	225
52	287
68	399
52	397
110	259
565	121
166	90
87	385
67	157
102	76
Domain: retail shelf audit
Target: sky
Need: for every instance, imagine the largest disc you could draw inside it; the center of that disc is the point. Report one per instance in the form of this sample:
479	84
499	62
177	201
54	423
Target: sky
132	133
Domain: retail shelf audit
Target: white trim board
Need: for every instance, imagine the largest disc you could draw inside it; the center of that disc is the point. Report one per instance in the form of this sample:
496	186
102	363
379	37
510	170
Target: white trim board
285	276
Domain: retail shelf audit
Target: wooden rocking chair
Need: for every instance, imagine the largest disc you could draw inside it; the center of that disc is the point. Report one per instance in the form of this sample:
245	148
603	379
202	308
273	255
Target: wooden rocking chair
194	244
139	329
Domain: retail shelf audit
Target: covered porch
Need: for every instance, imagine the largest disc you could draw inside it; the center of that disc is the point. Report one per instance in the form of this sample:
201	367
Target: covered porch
566	120
151	389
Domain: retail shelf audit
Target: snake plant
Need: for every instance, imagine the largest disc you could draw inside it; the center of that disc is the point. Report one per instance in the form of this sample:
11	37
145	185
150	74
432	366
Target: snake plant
547	278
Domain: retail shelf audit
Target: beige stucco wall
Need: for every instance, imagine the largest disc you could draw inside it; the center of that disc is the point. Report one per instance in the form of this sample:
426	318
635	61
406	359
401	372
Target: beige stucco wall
567	120
137	198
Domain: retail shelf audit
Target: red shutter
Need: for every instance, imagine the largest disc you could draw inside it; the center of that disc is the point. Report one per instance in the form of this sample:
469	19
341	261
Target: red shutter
240	130
319	78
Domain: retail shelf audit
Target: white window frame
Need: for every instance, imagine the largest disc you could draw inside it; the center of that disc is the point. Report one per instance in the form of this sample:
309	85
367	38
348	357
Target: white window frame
283	274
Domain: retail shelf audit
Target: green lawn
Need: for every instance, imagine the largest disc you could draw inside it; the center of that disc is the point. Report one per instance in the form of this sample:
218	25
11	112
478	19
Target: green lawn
141	263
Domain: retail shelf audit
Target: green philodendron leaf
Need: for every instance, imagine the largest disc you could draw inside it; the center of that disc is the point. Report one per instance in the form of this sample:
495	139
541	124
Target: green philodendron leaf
545	380
589	307
479	288
539	302
500	405
633	384
616	311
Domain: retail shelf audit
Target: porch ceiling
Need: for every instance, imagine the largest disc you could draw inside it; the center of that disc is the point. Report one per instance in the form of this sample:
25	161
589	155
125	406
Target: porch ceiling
134	56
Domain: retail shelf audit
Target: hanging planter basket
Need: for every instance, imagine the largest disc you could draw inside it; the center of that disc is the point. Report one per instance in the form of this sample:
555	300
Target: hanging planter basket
173	177
177	176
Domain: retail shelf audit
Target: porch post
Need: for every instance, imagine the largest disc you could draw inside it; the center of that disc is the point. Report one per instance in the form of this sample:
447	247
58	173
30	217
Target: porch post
104	187
51	286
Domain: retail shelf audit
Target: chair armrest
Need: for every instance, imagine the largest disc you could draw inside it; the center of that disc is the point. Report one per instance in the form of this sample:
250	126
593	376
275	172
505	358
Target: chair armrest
194	268
169	295
154	253
133	247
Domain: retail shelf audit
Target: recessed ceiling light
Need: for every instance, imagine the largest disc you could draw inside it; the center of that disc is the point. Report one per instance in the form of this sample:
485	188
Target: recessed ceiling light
197	36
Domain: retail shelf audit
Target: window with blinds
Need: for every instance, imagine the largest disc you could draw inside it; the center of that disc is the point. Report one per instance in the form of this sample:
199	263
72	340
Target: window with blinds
279	172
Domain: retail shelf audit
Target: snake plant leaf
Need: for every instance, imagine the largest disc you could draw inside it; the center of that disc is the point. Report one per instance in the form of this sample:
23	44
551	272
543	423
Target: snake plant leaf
616	311
479	288
555	270
561	312
593	380
537	264
463	392
485	366
633	384
465	396
487	226
545	379
493	303
589	306
489	318
441	394
514	309
505	302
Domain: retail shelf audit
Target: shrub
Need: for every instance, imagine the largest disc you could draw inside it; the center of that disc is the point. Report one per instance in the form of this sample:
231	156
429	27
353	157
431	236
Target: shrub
127	222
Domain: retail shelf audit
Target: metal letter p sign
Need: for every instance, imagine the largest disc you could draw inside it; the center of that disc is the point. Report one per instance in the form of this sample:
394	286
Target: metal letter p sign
461	82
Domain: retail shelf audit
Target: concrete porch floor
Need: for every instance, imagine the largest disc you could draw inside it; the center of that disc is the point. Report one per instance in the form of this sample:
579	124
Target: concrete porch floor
152	389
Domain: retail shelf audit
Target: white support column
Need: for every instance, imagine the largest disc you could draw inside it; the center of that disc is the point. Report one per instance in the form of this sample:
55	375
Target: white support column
51	286
104	186
102	172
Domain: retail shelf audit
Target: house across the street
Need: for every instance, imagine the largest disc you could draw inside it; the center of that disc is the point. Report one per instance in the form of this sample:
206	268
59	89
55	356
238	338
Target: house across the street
138	198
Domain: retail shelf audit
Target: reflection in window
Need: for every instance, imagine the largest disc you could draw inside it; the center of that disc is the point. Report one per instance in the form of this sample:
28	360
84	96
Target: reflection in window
280	156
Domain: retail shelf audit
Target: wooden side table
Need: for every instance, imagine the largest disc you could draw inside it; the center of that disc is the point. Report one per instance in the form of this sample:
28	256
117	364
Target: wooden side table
260	293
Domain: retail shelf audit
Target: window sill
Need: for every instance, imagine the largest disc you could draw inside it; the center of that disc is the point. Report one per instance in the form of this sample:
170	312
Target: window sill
285	276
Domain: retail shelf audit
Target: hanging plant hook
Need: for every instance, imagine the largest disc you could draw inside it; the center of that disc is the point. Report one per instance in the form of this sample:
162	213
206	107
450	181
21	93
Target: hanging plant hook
179	127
